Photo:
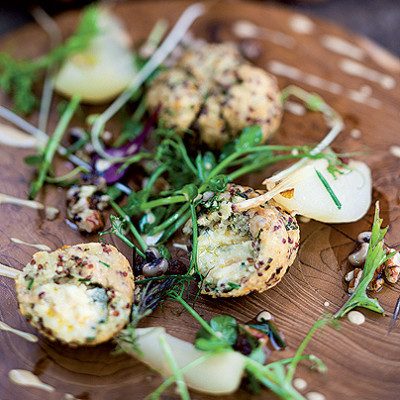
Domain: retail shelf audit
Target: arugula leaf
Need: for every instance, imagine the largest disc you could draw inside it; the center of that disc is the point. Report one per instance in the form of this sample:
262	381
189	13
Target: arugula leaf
376	256
17	77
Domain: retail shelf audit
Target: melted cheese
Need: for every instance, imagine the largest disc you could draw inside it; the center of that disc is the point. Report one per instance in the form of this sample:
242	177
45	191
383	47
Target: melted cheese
223	255
72	311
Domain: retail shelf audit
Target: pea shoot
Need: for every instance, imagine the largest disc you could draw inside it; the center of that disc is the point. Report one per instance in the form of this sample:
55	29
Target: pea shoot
45	159
220	335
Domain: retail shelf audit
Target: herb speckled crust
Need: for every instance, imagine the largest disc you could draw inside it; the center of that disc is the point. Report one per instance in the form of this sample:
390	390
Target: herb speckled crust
241	253
176	95
215	92
79	295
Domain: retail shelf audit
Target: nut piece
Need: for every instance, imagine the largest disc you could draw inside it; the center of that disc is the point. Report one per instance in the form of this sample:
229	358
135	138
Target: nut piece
353	277
358	257
376	284
392	267
389	270
84	206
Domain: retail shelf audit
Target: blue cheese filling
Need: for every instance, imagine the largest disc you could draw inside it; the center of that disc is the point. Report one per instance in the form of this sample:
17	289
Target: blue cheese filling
225	257
72	311
226	249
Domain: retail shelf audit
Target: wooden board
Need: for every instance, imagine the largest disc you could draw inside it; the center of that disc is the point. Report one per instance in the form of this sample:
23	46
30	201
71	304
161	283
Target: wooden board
363	361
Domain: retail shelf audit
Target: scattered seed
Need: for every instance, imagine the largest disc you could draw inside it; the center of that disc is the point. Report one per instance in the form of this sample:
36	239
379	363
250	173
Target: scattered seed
315	396
299	384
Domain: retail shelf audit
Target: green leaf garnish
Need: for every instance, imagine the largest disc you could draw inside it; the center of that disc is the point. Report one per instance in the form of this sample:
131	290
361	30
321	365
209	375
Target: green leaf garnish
250	137
225	328
376	256
30	284
51	147
104	263
329	189
232	286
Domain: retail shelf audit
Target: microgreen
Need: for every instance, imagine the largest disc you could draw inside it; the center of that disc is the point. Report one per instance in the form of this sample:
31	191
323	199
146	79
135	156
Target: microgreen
51	147
132	228
221	333
329	189
176	371
68	179
104	263
30	284
225	328
17	77
192	176
251	136
376	256
117	229
151	295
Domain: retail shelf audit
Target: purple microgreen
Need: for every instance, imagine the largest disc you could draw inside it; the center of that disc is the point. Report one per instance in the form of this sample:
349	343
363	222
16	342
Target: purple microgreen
113	172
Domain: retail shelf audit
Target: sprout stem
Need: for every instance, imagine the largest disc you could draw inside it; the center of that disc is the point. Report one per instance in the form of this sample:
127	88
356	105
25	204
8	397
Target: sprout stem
52	145
43	137
315	103
132	228
49	25
177	373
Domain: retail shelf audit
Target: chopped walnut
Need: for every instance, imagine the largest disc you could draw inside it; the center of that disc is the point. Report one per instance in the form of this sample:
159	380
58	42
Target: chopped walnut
376	284
377	280
389	270
84	204
392	267
353	277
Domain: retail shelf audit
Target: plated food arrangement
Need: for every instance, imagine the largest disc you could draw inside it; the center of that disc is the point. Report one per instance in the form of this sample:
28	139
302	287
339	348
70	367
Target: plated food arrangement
171	161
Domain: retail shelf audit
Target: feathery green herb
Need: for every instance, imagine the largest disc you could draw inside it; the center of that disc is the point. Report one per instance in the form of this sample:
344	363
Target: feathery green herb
151	295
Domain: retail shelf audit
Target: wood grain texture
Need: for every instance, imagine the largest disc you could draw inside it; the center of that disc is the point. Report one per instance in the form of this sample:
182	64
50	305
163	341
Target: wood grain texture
363	361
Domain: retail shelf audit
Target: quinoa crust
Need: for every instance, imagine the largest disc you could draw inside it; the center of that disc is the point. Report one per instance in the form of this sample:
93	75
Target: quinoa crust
214	92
